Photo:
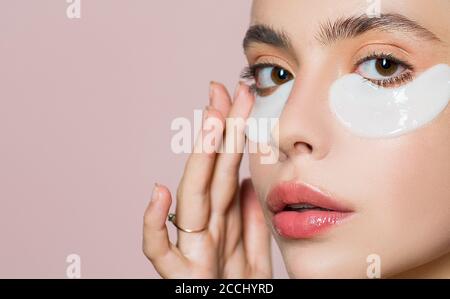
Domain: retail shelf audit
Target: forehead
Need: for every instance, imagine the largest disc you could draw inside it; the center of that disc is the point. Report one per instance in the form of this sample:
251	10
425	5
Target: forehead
301	13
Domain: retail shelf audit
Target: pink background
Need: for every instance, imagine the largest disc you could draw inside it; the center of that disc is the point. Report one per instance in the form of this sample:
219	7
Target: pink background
85	112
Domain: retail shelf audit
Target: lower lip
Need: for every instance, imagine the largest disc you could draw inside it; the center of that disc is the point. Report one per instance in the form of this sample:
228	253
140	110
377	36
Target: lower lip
302	225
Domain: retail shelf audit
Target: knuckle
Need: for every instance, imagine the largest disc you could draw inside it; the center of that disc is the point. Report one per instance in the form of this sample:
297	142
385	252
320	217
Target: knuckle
192	192
146	251
150	254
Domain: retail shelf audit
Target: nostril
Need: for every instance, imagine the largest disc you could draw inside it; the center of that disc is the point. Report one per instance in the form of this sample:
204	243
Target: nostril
303	148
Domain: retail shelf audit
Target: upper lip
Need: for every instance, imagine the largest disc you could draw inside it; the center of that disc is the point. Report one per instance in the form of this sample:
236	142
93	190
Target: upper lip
289	193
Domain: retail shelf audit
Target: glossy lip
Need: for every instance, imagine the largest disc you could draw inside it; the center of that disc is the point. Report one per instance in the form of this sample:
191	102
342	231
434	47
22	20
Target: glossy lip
306	224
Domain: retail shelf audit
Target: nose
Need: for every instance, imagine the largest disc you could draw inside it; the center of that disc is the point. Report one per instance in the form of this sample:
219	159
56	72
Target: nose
303	128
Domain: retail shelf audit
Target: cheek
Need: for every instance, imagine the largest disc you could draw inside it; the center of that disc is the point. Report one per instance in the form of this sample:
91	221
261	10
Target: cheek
393	175
403	186
416	211
262	175
421	169
418	164
401	164
257	172
401	190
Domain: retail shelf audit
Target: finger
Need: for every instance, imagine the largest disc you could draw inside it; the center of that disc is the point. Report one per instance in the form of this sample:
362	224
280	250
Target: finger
219	98
256	234
193	190
165	257
225	177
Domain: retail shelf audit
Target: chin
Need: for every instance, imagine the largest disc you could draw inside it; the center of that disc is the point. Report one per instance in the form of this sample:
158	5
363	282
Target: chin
324	258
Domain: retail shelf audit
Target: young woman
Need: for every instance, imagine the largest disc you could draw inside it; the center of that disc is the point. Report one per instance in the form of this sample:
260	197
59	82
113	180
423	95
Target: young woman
362	175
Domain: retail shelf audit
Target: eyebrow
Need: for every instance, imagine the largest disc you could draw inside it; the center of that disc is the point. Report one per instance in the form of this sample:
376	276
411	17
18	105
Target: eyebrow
341	28
266	35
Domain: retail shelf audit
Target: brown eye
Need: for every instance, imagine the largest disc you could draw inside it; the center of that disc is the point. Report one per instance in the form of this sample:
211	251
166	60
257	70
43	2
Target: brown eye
269	77
386	67
280	76
384	70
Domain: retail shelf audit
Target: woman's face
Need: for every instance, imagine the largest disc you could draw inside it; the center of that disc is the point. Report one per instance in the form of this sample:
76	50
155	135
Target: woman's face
398	188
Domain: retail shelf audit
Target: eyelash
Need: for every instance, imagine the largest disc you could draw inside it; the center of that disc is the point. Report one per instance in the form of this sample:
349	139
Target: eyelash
250	71
406	76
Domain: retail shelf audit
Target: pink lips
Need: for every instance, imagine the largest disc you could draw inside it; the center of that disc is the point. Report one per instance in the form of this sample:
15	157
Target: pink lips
304	223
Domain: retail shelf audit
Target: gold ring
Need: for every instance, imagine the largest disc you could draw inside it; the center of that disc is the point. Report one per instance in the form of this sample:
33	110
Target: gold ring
171	218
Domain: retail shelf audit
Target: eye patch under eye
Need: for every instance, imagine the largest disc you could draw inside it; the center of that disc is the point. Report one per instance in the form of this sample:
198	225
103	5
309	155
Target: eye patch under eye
371	111
366	109
266	110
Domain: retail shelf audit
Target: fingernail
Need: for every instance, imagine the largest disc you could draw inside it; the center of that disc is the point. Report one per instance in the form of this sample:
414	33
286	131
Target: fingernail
155	192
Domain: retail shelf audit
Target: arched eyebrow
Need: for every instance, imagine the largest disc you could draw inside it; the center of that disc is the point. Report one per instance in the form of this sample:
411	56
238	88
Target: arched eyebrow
267	35
344	28
341	28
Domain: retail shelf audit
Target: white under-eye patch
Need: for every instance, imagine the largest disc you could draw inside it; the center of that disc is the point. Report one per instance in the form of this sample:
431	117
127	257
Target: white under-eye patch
366	109
265	113
372	111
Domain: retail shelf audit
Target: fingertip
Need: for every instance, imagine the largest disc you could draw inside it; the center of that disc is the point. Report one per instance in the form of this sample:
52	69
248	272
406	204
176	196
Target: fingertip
164	193
223	92
159	205
243	100
220	98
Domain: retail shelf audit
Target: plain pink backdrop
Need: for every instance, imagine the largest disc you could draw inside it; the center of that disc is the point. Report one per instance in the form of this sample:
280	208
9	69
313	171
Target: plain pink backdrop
85	112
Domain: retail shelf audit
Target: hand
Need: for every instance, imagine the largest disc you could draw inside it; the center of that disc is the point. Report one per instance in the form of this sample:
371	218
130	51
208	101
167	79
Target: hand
236	241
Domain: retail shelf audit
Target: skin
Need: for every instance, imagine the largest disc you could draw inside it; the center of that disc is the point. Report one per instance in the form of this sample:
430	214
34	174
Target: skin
399	188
